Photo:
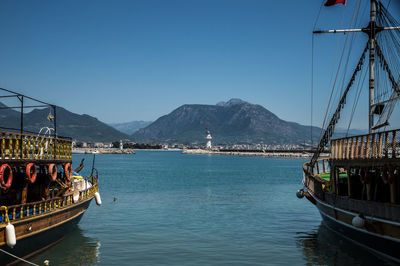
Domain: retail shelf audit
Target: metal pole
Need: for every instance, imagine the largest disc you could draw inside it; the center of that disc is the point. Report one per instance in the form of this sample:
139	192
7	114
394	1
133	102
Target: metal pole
55	131
371	65
55	120
21	99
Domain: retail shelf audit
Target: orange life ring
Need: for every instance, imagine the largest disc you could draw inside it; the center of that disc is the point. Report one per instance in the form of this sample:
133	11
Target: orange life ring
6	172
31	172
68	171
52	170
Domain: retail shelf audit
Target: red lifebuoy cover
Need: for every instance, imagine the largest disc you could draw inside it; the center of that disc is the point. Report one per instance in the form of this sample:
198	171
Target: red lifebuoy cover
68	171
31	172
6	173
52	172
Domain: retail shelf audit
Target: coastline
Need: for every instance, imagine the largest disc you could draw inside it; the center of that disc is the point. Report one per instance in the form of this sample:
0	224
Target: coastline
288	154
102	151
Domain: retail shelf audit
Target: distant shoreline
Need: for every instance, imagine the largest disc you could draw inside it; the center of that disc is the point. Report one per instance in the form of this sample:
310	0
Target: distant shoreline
287	154
102	151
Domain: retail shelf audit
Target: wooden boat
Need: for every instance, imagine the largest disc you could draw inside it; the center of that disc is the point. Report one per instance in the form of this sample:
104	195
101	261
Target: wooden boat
40	199
357	188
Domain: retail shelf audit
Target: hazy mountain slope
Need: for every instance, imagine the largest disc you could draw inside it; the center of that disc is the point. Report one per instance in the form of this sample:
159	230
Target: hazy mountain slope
130	127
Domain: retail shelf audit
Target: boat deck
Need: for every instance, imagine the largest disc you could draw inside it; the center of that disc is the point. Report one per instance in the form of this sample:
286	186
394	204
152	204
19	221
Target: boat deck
327	176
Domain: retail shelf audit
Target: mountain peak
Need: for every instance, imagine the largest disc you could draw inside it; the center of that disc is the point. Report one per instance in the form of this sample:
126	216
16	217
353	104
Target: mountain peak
233	101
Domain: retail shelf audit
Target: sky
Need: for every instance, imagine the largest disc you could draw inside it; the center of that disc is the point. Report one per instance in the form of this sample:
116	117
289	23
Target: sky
131	60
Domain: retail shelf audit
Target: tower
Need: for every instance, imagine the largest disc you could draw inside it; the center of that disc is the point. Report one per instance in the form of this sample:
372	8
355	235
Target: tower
208	139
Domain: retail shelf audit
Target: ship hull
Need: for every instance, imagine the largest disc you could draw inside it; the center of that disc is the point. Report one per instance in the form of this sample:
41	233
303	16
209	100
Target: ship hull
339	221
43	239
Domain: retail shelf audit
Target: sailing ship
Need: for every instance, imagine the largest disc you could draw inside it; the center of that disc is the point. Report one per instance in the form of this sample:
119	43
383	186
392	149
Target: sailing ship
357	188
41	198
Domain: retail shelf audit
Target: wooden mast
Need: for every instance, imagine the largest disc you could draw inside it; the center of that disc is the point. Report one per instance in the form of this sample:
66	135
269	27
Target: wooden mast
371	65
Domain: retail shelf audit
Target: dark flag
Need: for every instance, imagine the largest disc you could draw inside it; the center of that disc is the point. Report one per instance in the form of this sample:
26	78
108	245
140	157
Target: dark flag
334	2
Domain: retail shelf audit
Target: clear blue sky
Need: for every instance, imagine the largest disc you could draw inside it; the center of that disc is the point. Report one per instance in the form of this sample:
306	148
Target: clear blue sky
137	60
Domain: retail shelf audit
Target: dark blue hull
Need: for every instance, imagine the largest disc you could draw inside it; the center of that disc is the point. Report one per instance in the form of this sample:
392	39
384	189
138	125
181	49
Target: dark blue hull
384	247
29	246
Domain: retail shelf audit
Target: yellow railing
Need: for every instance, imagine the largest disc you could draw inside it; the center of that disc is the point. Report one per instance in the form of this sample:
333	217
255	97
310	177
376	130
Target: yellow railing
371	146
17	212
23	146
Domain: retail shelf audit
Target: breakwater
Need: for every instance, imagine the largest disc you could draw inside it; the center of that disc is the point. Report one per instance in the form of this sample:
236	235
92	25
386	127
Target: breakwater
264	153
102	150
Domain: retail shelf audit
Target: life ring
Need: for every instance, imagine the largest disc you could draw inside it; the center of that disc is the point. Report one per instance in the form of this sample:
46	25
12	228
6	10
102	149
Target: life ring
6	172
68	171
52	170
31	172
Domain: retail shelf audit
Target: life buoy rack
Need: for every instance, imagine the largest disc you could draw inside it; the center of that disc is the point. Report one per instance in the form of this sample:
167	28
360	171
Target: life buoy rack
68	171
31	172
6	174
52	170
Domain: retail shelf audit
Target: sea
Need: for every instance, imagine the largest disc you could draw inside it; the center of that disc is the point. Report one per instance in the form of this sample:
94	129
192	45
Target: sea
169	208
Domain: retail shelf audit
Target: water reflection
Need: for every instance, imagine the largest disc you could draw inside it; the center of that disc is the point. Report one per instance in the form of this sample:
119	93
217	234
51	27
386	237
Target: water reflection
74	249
323	247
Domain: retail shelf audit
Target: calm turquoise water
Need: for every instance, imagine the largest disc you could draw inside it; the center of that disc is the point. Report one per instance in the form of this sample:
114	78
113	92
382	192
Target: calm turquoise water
165	208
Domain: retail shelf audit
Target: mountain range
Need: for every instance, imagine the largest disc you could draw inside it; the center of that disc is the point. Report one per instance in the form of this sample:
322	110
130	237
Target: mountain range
80	127
235	121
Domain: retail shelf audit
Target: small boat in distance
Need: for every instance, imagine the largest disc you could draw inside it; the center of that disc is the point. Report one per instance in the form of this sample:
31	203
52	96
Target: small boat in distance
357	188
40	199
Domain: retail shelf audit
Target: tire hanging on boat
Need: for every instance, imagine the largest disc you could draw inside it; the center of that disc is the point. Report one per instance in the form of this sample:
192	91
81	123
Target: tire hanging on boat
52	170
6	174
31	172
68	171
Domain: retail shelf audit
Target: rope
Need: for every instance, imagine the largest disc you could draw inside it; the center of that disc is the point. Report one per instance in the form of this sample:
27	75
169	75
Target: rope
7	220
312	75
21	259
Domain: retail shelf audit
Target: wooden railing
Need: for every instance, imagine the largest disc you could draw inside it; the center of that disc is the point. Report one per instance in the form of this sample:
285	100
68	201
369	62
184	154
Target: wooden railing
17	212
321	166
371	146
23	146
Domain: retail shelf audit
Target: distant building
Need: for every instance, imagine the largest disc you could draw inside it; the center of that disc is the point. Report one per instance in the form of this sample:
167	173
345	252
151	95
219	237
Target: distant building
107	145
99	145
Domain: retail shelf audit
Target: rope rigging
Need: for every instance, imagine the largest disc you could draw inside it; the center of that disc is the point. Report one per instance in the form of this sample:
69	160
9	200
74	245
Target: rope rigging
387	85
336	116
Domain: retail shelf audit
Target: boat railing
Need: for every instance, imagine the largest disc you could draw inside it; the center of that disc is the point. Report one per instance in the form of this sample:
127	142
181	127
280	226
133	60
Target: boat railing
14	146
21	211
312	179
321	166
379	145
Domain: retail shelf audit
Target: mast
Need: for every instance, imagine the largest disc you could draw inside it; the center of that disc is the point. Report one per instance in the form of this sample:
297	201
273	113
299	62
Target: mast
371	65
372	45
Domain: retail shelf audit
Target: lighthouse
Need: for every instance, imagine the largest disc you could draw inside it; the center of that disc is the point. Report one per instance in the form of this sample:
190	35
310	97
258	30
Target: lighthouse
208	139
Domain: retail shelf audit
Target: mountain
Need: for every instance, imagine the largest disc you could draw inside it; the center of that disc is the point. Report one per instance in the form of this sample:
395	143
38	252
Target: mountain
235	121
130	127
80	127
